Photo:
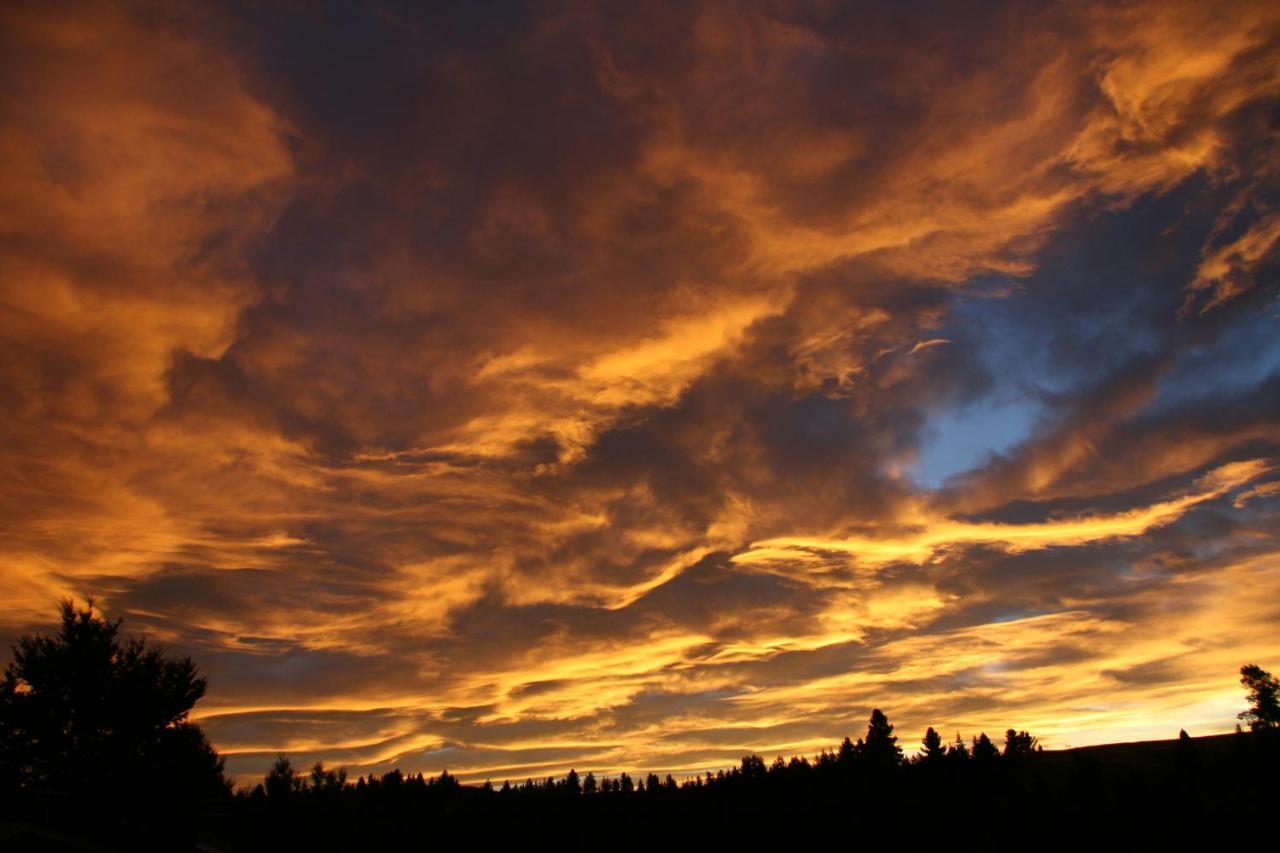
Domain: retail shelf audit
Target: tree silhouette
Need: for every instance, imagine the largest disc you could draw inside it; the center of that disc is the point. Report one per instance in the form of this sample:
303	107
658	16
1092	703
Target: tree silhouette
933	751
881	748
327	781
1018	744
958	751
1187	758
1264	698
847	752
753	767
86	712
984	751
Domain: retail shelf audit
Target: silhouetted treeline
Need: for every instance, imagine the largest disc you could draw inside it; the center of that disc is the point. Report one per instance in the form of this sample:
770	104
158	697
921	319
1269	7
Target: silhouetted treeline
966	793
97	753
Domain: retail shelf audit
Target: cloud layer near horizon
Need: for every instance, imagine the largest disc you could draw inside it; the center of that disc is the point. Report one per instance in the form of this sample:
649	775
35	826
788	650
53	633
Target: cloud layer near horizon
561	387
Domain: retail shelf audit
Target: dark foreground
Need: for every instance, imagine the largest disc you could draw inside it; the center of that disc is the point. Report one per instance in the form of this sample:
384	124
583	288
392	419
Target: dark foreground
1206	793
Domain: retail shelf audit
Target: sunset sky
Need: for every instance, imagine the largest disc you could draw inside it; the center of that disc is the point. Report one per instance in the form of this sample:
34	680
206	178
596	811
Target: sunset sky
631	386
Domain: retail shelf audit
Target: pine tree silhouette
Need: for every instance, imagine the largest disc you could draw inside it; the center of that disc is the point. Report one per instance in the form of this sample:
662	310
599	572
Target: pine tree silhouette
933	751
881	750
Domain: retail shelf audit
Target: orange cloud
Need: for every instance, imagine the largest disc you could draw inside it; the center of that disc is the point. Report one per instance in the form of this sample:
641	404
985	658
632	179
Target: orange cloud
929	535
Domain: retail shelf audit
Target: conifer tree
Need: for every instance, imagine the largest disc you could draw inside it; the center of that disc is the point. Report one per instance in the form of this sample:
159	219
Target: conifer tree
984	751
932	742
881	749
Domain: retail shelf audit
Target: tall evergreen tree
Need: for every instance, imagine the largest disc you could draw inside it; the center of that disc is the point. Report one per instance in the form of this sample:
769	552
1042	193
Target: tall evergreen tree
933	751
881	749
984	751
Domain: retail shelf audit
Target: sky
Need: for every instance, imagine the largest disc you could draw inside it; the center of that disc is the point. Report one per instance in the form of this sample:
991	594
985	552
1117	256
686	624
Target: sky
514	387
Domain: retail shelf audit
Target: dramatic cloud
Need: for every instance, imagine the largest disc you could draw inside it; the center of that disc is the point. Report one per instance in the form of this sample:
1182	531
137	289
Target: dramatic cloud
629	388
